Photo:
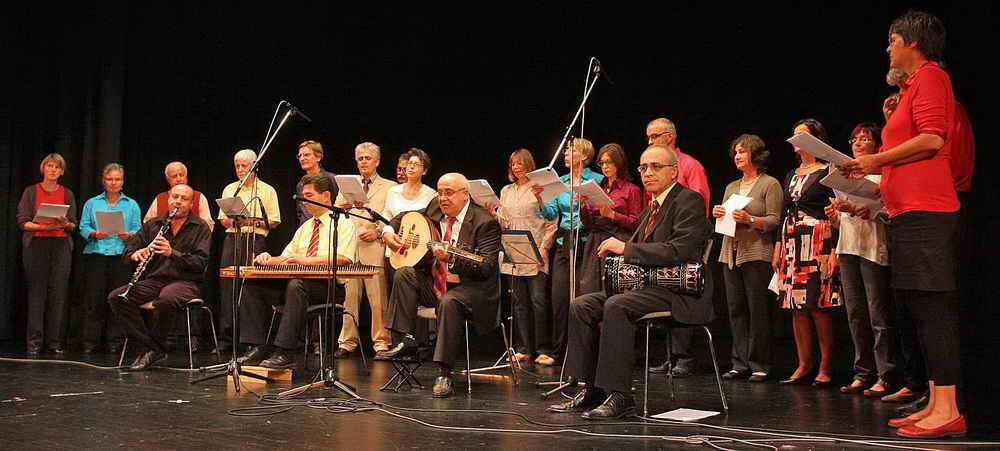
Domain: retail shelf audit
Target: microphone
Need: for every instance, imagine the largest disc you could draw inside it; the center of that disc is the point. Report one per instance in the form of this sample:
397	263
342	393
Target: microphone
299	112
319	204
599	68
374	214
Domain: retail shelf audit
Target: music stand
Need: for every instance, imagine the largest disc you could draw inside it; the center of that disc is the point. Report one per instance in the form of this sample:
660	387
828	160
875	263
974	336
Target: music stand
520	248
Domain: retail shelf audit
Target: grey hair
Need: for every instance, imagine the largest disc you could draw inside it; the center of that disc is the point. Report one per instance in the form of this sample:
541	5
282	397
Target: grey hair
895	77
245	155
666	123
113	167
671	155
368	147
166	169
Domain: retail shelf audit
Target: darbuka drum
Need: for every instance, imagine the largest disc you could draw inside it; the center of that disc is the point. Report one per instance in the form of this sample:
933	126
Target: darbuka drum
619	277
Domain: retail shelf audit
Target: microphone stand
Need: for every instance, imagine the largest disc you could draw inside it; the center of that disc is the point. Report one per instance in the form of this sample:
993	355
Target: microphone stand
589	84
233	367
327	377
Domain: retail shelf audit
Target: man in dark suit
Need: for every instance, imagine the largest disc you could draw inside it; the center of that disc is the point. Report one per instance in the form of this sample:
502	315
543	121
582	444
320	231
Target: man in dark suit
602	329
472	289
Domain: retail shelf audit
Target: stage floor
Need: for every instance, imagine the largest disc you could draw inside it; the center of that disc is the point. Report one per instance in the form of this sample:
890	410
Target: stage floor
57	406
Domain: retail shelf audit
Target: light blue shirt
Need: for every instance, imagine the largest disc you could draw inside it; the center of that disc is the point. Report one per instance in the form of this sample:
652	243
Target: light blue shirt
111	245
559	205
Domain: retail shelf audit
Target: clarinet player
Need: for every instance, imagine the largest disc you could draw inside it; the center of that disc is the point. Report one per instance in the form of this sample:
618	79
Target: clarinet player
175	251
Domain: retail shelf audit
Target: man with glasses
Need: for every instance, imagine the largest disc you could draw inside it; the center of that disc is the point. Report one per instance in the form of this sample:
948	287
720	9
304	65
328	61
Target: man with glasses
458	289
691	174
672	231
310	158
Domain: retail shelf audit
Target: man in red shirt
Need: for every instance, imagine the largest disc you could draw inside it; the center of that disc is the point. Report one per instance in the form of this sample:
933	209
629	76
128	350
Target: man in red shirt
691	175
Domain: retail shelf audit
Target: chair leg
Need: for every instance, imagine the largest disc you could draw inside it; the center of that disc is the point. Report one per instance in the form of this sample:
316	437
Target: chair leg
121	358
645	384
670	362
270	327
468	359
215	339
715	363
187	313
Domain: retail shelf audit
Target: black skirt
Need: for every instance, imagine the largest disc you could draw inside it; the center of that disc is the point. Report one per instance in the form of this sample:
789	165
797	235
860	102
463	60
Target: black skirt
922	250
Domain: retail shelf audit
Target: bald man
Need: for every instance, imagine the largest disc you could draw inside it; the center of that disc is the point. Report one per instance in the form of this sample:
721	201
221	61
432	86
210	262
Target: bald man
176	266
472	294
691	175
176	173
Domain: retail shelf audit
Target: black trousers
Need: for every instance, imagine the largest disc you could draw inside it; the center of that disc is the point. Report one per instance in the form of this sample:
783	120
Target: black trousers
149	327
251	245
935	315
750	310
101	273
296	295
560	293
411	289
47	262
602	334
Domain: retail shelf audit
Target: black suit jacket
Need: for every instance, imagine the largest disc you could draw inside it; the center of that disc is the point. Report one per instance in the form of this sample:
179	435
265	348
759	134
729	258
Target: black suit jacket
679	232
480	233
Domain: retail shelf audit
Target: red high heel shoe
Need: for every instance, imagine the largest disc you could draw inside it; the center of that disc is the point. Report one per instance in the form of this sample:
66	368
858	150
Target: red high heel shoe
953	428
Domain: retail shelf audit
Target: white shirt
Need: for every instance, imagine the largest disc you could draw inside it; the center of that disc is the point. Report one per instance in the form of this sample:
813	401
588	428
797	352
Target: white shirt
867	239
395	203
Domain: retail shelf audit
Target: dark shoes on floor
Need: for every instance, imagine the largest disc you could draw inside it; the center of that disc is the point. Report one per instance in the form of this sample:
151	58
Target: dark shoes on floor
444	387
341	353
255	356
617	405
404	348
146	360
736	374
587	398
914	407
280	360
678	370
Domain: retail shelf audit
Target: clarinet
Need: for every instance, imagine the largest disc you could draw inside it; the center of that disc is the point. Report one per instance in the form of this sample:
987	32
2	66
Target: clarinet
141	267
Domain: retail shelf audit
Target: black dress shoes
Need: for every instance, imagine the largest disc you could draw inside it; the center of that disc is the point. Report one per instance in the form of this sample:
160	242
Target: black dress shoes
147	359
736	374
822	384
33	350
587	398
58	350
444	387
255	356
914	407
405	348
618	405
280	360
660	369
341	353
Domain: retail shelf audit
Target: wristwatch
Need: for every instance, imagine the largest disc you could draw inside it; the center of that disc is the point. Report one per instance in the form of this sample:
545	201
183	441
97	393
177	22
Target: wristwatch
751	220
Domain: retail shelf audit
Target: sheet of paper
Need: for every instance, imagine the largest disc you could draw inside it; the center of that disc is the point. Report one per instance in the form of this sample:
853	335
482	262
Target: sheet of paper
862	187
818	149
773	284
726	225
50	211
482	193
594	193
548	179
685	415
111	222
350	186
519	247
874	205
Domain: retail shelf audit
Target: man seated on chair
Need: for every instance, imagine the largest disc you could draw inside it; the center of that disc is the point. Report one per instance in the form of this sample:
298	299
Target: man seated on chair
171	277
673	231
474	295
310	246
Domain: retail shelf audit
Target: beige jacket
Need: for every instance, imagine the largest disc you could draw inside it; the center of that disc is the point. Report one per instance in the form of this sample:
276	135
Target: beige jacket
371	253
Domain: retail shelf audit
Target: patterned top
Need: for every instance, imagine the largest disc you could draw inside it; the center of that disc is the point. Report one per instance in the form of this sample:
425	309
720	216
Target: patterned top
807	241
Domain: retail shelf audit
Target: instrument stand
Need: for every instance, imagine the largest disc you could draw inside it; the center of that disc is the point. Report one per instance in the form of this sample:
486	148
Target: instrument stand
327	377
232	368
594	68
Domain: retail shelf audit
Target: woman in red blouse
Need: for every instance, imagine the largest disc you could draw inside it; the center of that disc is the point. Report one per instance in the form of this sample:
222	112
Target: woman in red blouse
619	220
918	190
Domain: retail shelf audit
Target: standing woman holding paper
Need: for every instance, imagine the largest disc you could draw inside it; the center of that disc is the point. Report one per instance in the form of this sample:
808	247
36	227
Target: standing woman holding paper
806	264
47	247
103	266
577	156
519	210
618	220
746	258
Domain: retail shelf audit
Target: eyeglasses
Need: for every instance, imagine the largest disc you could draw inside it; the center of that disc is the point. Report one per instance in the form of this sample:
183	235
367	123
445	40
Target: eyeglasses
605	163
415	164
449	192
653	137
655	167
862	140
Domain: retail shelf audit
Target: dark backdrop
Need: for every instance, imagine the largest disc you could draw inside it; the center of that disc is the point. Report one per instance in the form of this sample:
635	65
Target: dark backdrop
144	85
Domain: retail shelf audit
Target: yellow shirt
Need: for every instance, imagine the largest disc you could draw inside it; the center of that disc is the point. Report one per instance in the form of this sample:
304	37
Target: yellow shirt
347	240
268	198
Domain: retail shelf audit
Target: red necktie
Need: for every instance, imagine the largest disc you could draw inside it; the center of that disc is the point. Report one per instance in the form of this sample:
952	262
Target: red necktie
440	269
314	241
654	207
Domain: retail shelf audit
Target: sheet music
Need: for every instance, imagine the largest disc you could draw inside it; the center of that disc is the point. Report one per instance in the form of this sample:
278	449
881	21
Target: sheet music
548	179
862	187
685	414
111	222
594	193
726	225
48	212
520	248
350	186
818	149
482	193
